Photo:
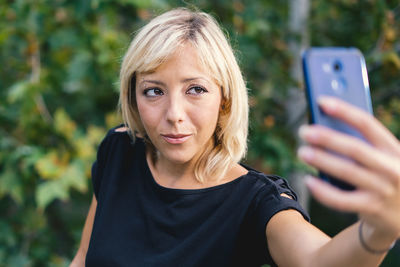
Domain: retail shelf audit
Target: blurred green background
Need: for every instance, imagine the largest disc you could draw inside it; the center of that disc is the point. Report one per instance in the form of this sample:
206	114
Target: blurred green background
59	91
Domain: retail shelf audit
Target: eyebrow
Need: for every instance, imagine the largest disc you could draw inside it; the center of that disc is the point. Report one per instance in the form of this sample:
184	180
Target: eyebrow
153	81
192	79
183	81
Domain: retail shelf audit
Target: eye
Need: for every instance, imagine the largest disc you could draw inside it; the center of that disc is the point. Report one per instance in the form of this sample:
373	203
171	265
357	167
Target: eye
196	90
151	92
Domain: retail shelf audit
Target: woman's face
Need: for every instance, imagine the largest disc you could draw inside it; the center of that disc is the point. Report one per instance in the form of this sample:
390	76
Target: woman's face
178	104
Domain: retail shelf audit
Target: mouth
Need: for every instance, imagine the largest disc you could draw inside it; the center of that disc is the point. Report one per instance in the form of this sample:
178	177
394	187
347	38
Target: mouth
176	138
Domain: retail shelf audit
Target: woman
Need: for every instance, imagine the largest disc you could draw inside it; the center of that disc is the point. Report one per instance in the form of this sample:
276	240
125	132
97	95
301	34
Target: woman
168	188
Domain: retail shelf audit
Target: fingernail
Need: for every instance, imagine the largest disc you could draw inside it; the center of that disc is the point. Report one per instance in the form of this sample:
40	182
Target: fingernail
305	153
306	133
327	103
310	181
303	131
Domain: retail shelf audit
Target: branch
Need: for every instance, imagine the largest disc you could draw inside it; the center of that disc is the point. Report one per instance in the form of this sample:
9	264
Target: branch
35	79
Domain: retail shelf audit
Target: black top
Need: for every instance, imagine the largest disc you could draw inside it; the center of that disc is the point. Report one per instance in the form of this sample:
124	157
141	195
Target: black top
141	223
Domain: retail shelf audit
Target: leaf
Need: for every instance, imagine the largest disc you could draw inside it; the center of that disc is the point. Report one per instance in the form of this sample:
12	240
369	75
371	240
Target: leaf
138	3
18	91
19	260
34	221
113	119
30	160
78	69
95	134
58	261
74	176
84	148
63	124
49	166
393	58
49	191
11	185
63	38
7	235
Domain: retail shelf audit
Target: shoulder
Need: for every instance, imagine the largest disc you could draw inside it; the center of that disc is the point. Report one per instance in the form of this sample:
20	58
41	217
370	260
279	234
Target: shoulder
270	183
119	132
117	140
273	194
121	129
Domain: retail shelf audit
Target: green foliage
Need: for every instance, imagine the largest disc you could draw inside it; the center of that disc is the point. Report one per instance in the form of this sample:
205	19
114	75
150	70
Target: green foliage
58	96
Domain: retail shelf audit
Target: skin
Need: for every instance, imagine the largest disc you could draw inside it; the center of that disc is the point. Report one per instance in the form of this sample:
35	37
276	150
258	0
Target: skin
177	98
179	105
373	169
173	100
79	259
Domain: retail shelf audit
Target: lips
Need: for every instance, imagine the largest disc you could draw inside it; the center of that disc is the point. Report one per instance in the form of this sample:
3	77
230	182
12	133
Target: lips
176	138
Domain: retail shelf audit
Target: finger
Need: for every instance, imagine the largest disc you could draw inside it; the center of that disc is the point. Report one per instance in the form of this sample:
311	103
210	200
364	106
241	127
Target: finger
368	125
362	202
346	170
354	148
331	196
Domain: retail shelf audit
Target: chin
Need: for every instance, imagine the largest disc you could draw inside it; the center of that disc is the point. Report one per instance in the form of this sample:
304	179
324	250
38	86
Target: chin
176	157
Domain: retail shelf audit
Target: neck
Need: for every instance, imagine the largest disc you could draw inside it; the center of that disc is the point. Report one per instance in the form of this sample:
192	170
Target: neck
171	174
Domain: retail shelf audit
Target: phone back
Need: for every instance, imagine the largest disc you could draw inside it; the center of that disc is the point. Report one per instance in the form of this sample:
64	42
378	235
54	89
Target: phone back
338	72
341	73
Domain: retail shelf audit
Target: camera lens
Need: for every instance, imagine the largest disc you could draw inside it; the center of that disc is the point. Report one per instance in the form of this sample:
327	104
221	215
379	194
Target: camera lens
339	85
337	66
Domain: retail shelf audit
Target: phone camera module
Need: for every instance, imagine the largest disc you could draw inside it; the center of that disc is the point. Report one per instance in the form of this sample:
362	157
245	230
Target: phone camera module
337	66
339	85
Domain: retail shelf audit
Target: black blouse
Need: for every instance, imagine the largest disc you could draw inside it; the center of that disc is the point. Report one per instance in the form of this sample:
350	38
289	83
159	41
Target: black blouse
140	223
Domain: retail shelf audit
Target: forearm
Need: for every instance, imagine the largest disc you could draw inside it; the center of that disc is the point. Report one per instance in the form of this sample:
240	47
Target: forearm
345	249
372	167
79	259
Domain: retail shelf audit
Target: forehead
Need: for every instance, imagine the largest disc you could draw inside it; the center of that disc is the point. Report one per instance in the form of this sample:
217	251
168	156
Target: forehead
185	62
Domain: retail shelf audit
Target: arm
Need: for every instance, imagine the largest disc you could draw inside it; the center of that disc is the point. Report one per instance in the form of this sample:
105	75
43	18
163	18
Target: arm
292	241
79	259
374	169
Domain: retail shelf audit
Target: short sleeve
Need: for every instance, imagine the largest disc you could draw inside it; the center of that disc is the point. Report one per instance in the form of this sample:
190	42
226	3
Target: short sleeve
269	201
95	179
97	168
101	159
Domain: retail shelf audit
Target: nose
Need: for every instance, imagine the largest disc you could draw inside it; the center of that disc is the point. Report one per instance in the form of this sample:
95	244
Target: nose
175	112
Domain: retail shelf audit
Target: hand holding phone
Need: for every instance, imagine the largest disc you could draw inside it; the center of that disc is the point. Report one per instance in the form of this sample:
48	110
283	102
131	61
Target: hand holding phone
338	72
336	79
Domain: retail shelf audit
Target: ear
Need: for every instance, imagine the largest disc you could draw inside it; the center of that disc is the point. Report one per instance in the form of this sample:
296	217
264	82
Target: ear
222	106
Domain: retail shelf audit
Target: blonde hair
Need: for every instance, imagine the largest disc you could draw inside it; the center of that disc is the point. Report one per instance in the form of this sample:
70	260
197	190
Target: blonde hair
152	46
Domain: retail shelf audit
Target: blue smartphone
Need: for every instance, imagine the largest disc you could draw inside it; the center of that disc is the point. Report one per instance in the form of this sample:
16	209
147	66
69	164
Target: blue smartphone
339	72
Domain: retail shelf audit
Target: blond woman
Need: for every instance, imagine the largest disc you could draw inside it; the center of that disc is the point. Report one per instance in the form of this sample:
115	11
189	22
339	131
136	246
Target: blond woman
169	189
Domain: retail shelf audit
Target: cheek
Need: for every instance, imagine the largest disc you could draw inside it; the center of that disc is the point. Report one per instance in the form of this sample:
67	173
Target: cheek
207	117
147	114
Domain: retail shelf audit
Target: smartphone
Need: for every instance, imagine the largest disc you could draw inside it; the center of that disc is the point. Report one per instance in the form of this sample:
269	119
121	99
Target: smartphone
339	72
